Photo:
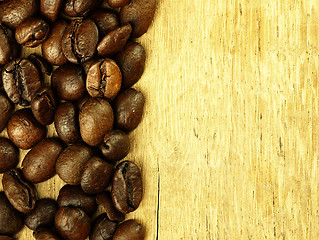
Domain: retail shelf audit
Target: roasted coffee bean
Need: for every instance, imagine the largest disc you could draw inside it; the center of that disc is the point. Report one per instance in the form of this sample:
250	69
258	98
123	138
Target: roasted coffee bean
68	81
131	61
74	196
104	79
50	9
103	228
114	41
45	234
87	64
24	130
140	14
72	223
39	163
43	105
19	192
21	79
96	119
116	145
11	221
80	40
15	12
97	175
52	47
9	48
42	215
79	8
128	109
129	230
127	187
82	101
42	65
105	20
105	200
71	163
118	3
66	121
6	109
9	155
32	32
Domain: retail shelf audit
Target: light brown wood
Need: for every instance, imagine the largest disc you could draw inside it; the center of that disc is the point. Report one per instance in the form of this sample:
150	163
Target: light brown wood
228	145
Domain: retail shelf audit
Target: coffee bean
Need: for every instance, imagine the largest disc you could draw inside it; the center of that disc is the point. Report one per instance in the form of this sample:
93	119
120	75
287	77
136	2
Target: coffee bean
102	228
129	230
80	40
9	48
42	65
114	41
105	200
104	79
71	163
52	47
82	101
68	81
72	223
6	109
118	3
127	187
97	175
39	163
77	8
116	145
50	9
24	130
96	119
19	192
87	64
21	79
15	12
42	215
74	196
128	109
131	61
105	20
32	32
9	155
66	121
45	234
11	221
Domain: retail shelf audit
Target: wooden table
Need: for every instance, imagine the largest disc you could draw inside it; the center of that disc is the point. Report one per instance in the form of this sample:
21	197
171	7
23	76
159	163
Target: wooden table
229	143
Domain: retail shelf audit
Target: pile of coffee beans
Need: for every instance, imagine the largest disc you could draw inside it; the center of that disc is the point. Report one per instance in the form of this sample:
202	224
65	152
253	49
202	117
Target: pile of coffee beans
92	59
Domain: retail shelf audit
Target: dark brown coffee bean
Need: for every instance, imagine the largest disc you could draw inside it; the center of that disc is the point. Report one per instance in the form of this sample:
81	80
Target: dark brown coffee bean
6	109
32	32
21	79
97	175
104	79
24	130
19	192
74	196
9	155
52	47
114	41
127	187
131	61
8	46
71	163
79	8
6	238
66	121
129	230
82	101
39	163
43	105
15	12
68	81
118	3
42	215
72	223
50	9
105	20
11	221
140	14
45	234
96	119
102	228
42	65
87	64
105	200
80	40
128	109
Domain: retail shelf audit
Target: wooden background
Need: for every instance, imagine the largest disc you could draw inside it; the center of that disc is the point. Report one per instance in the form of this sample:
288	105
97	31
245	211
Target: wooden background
229	141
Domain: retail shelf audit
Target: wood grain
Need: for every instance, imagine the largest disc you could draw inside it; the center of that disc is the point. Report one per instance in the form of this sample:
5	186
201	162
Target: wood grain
228	145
